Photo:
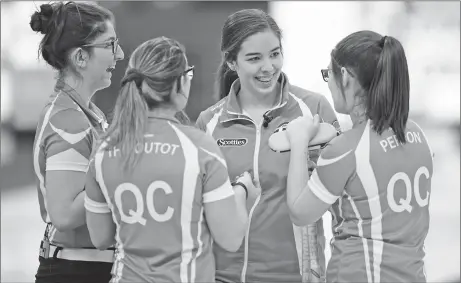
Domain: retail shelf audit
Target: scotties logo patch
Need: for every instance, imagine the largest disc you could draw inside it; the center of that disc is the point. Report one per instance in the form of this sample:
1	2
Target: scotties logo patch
231	142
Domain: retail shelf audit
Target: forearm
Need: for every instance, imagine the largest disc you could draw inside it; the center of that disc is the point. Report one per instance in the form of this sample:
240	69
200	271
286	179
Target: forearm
298	176
73	215
241	204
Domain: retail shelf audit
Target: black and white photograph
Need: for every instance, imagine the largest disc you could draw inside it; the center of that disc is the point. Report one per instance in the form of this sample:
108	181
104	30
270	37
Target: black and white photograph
230	141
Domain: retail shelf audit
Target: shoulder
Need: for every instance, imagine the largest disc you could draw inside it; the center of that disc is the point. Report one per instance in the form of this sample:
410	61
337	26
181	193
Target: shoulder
196	136
205	143
342	145
304	94
315	101
71	120
214	109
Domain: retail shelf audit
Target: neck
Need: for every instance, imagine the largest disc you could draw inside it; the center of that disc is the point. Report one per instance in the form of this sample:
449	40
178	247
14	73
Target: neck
168	113
83	89
358	115
258	100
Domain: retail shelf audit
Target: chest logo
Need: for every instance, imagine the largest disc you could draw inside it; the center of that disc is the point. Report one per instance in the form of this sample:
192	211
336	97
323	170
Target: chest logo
231	142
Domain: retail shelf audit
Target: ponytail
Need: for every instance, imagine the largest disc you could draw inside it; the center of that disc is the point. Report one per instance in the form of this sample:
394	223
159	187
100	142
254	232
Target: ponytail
225	79
389	92
128	125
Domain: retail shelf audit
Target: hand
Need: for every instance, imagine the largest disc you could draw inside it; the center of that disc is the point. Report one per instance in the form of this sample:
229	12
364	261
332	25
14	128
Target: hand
254	190
302	129
311	166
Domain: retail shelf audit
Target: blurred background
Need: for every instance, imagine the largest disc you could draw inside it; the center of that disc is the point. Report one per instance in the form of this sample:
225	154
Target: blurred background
429	31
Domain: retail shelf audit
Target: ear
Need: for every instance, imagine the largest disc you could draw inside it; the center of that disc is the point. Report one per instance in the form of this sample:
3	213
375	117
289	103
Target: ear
346	77
79	58
178	85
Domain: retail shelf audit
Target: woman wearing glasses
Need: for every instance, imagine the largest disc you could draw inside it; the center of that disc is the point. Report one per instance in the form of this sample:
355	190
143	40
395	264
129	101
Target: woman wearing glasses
80	42
382	167
158	188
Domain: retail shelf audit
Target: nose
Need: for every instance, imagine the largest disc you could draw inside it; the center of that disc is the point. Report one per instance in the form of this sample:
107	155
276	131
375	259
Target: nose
267	66
119	55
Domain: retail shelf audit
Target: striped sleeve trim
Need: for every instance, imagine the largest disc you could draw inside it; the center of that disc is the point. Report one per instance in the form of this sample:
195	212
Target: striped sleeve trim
96	207
319	189
222	192
69	160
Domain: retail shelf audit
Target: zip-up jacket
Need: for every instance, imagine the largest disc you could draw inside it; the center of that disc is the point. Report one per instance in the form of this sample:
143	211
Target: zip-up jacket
274	250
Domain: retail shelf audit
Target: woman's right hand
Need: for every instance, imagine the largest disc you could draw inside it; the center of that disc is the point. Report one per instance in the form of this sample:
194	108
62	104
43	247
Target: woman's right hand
254	190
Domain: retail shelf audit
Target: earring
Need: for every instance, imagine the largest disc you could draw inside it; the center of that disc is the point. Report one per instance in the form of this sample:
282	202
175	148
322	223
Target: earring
231	67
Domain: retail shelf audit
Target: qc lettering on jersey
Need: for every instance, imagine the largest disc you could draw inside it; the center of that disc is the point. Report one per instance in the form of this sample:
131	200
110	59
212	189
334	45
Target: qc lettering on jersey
380	197
158	208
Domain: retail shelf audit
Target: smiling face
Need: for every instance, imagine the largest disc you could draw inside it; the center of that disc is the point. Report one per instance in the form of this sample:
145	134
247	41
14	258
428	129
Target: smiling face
101	63
259	63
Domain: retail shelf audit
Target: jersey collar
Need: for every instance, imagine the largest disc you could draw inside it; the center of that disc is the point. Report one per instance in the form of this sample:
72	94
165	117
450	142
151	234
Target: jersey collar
232	109
93	113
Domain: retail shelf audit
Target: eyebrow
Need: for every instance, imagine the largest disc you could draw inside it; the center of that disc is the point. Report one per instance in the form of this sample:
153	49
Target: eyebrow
253	54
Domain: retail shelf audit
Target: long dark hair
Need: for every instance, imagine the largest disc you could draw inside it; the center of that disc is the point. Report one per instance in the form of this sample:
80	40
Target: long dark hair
380	64
238	27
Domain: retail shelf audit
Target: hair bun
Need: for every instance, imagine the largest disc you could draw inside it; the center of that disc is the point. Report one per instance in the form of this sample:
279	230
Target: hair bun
39	21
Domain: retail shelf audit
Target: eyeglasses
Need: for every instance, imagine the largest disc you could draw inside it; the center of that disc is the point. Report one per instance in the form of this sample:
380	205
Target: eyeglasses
112	43
325	72
325	76
189	72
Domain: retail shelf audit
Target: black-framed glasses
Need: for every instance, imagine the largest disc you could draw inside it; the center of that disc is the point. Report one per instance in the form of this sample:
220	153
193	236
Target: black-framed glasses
325	75
111	43
189	72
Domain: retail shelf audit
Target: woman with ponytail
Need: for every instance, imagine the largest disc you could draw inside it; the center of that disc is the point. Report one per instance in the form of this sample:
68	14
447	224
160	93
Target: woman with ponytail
382	167
80	43
157	188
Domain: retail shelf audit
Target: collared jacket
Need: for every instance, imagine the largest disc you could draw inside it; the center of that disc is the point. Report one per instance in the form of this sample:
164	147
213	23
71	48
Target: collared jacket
64	139
274	250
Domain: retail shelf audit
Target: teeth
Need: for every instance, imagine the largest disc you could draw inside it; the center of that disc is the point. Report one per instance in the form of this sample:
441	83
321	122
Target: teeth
264	79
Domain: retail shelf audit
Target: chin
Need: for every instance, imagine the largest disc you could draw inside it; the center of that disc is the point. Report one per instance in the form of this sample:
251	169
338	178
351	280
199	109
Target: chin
265	90
104	84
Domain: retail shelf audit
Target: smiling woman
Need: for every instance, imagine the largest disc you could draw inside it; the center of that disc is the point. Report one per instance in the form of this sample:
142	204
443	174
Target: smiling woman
80	42
256	100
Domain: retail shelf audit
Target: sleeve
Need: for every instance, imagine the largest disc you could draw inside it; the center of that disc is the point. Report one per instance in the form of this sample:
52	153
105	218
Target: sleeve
334	169
216	184
68	141
94	199
327	113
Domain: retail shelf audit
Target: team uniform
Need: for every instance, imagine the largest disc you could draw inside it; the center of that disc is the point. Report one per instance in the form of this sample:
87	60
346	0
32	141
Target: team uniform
63	142
380	204
161	234
274	250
